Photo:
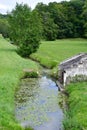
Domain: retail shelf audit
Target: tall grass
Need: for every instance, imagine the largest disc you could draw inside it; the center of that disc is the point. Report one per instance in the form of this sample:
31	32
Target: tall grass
76	116
11	70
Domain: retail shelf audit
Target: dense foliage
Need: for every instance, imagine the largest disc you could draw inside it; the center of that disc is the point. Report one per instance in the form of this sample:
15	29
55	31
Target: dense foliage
84	14
64	19
4	26
25	29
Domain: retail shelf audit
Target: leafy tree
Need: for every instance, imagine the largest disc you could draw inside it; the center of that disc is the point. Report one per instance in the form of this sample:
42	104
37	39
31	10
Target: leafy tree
49	27
57	14
25	29
4	26
84	14
40	7
76	17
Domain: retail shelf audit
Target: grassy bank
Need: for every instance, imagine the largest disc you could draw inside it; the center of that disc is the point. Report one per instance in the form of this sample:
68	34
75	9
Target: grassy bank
51	53
76	116
11	70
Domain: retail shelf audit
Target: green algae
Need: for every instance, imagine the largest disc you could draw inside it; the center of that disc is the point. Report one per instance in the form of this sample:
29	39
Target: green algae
35	100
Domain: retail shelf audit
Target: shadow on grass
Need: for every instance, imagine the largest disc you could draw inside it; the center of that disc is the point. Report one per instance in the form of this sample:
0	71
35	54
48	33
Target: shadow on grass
8	50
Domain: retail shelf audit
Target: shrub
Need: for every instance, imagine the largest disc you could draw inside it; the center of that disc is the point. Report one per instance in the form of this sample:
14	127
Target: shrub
30	74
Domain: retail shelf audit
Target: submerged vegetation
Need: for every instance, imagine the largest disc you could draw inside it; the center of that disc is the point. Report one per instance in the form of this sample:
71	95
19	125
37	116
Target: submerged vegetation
11	70
37	103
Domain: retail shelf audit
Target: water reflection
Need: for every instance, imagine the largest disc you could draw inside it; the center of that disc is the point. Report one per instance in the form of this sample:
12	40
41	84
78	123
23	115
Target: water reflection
37	104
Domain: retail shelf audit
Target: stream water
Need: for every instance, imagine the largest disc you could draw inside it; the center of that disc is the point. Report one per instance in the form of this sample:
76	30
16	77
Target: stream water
37	104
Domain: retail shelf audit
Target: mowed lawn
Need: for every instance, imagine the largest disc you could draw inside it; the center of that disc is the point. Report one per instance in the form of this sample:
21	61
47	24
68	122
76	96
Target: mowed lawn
11	70
51	53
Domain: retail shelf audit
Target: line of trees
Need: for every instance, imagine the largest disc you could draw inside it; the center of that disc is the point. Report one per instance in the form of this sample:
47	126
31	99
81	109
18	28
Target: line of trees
64	19
26	27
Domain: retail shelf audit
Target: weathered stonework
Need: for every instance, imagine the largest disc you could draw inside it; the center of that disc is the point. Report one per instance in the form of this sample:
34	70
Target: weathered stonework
75	66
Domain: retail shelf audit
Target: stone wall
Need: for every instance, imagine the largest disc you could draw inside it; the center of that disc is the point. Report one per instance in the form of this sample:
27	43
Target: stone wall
80	69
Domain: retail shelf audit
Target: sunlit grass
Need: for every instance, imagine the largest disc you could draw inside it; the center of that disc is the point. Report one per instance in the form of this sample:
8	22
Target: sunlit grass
51	53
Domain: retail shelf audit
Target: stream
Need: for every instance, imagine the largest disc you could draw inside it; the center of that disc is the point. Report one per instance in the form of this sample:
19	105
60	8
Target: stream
37	104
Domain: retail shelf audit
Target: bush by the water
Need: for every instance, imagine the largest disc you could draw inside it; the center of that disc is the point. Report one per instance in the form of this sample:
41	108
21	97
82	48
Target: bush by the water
30	74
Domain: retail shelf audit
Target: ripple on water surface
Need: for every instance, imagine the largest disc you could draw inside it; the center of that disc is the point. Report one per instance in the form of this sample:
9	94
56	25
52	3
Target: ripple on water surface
37	104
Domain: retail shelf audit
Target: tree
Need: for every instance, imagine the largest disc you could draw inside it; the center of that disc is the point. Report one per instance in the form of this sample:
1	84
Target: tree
84	14
25	29
4	26
49	27
74	13
57	11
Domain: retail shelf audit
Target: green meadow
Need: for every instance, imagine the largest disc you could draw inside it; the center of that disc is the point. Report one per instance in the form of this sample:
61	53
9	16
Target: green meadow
51	53
11	70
